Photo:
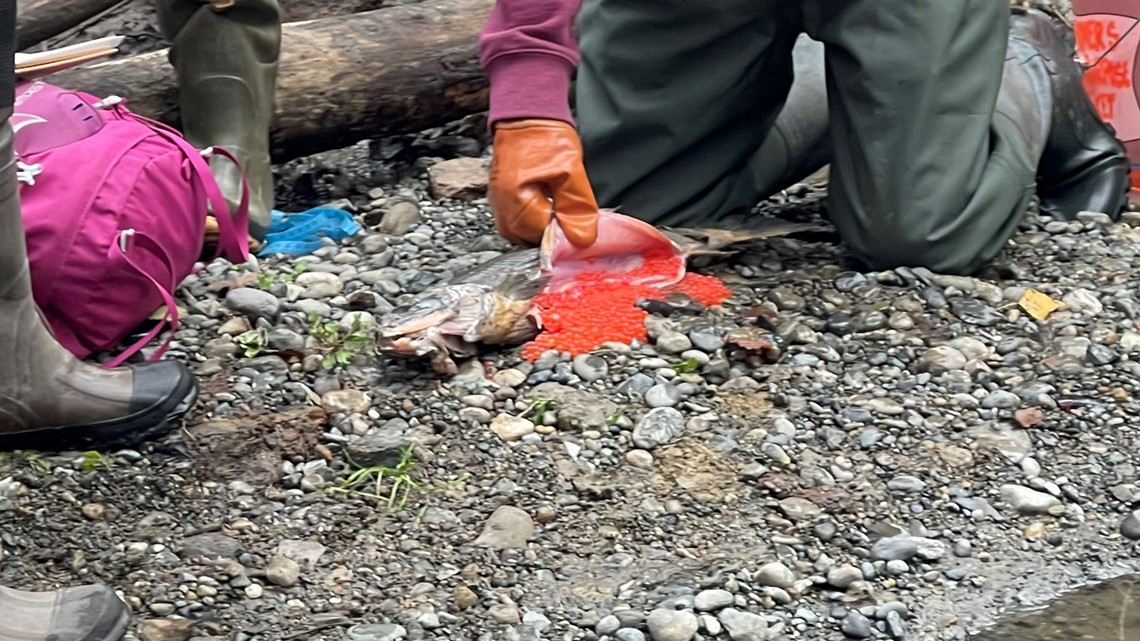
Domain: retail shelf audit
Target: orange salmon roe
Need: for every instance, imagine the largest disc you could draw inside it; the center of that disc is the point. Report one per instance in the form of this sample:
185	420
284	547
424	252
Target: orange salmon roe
598	307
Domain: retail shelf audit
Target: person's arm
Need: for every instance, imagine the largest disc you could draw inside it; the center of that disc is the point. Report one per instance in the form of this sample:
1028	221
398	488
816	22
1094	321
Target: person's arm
528	51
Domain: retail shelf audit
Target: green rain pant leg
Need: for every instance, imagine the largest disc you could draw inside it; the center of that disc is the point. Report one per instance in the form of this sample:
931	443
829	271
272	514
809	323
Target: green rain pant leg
680	105
923	171
686	118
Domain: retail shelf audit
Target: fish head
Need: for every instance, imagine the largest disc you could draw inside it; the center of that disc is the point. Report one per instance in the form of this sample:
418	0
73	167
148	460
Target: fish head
433	322
453	320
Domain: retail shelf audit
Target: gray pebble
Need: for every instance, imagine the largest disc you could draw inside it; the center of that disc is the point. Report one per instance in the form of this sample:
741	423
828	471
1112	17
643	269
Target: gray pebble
254	303
590	367
707	340
672	625
843	576
1029	501
905	547
856	626
658	427
709	600
1130	526
673	342
662	395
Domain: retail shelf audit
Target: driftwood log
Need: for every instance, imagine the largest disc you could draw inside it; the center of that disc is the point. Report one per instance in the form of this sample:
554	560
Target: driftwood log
38	20
394	70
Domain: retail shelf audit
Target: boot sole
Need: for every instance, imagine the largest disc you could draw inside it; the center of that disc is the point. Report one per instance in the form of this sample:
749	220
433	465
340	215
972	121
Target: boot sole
120	433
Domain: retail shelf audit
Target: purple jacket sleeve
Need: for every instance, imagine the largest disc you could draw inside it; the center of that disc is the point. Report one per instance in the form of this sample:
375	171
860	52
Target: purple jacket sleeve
528	51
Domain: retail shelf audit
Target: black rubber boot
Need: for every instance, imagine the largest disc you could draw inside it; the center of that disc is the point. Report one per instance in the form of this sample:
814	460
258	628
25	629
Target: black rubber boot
84	613
48	398
1083	166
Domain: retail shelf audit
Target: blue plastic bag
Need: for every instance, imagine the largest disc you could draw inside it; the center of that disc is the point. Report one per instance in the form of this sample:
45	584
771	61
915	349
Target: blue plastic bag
301	233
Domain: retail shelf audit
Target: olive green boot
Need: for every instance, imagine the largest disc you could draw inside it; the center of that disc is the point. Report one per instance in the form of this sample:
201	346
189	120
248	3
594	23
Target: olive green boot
225	53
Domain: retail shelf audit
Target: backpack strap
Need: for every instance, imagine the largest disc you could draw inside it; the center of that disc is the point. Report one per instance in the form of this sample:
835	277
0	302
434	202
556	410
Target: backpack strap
233	225
122	246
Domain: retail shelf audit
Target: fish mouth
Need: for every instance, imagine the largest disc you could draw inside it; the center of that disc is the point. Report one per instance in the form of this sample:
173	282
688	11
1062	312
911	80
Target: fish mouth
426	342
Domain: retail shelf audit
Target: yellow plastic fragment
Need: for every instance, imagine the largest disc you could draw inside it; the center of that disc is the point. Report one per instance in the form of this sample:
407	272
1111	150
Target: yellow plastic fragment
1038	305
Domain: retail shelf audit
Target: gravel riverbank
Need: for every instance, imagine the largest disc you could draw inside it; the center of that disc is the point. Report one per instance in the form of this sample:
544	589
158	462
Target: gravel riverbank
915	454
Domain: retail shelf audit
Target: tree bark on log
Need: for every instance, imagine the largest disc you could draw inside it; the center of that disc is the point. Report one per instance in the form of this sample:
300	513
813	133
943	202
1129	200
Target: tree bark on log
395	70
38	20
301	10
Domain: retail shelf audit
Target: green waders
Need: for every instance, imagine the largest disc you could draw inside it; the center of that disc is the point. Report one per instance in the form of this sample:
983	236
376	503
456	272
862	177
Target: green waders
225	53
692	112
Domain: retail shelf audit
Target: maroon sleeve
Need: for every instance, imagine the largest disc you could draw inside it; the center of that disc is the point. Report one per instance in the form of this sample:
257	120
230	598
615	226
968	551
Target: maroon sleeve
528	50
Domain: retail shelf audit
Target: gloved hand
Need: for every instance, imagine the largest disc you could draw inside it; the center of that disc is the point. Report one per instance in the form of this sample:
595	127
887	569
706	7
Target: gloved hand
533	162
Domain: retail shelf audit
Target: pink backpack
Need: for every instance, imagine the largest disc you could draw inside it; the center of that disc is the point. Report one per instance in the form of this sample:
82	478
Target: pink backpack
114	208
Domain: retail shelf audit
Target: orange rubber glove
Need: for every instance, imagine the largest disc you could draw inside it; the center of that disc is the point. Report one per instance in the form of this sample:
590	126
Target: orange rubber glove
534	162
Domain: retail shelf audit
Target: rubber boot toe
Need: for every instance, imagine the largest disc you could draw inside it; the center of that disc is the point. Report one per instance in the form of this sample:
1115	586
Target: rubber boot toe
83	613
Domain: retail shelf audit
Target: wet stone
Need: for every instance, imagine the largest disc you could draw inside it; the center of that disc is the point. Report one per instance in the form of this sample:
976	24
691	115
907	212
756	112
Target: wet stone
850	281
659	426
1029	501
975	312
283	571
384	447
1098	354
662	395
1001	399
840	324
870	321
672	625
775	575
710	600
743	626
856	626
786	299
895	628
211	545
905	483
399	218
905	547
254	303
799	509
590	367
1130	526
319	284
508	528
706	339
673	342
844	576
940	359
377	632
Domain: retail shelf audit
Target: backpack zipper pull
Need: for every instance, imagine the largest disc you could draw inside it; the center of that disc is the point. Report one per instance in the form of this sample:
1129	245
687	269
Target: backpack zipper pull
27	173
110	102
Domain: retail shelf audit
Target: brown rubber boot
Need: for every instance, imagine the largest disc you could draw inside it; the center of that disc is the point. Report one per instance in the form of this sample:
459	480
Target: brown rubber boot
85	613
225	54
48	398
